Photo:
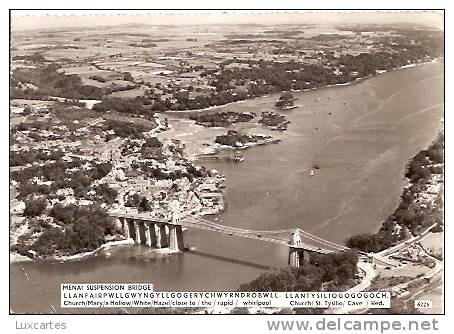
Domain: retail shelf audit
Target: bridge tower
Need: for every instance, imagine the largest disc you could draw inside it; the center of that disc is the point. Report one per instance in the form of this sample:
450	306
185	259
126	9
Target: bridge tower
175	229
296	252
294	249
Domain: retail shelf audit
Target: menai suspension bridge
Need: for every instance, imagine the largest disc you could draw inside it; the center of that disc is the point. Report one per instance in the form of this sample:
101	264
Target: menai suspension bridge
162	232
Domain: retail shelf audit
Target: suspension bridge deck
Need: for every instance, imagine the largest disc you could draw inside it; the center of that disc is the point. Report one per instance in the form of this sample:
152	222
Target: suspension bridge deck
309	241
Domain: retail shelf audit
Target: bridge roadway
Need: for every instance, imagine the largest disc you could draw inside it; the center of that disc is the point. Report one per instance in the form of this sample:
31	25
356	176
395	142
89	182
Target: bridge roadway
310	242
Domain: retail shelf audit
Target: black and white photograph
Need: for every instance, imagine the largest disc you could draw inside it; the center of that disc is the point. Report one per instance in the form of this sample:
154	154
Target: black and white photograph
282	162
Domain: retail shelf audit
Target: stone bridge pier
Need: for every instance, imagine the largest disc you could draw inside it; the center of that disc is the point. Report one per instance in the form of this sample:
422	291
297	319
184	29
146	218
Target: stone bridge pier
152	233
296	254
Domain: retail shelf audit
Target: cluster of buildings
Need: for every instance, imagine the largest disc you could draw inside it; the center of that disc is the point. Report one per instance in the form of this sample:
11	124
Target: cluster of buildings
85	139
434	187
416	254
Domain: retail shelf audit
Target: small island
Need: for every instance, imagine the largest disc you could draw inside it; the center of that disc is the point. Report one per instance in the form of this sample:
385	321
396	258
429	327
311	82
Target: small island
237	140
273	121
286	102
222	119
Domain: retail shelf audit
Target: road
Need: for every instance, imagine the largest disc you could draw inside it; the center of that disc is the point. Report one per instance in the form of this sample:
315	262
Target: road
406	243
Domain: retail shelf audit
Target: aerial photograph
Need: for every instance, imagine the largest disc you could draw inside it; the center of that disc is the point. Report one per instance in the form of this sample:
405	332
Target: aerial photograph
277	152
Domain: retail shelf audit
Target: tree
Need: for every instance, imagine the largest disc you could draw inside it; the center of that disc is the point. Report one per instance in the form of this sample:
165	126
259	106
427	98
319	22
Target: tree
34	207
133	201
364	242
106	193
282	104
337	267
100	170
128	77
152	142
84	230
144	205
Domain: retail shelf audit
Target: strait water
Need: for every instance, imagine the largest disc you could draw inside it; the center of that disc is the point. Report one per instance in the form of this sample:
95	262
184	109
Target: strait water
361	136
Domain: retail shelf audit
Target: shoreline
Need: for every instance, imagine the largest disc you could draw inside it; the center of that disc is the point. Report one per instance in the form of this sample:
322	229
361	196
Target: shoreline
16	258
352	82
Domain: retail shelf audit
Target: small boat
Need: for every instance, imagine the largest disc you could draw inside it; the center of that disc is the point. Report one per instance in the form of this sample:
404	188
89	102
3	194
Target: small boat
312	172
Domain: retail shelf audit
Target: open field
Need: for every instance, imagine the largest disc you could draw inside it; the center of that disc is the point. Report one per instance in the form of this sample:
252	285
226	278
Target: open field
410	270
433	241
130	93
